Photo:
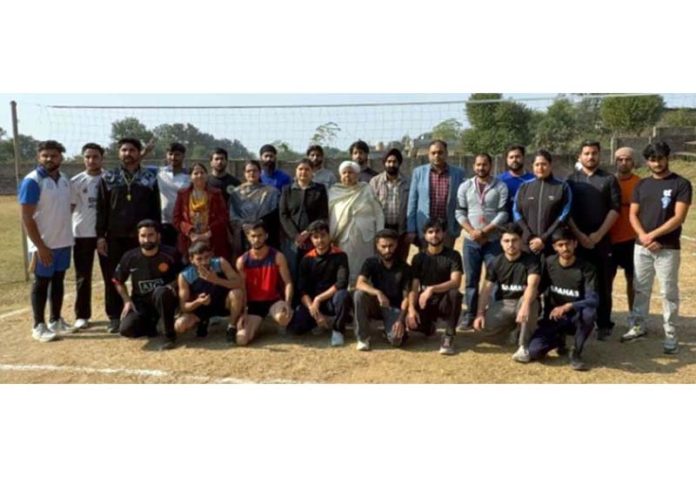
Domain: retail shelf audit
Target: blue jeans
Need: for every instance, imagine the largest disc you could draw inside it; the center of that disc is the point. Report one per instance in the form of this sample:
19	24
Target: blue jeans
474	257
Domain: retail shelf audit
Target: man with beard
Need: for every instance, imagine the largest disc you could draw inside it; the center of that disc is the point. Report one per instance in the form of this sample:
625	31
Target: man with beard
515	277
264	272
622	235
322	175
171	179
85	187
391	189
659	207
437	276
595	208
433	194
219	177
359	152
570	305
270	175
481	209
323	288
382	291
152	269
126	196
44	197
515	175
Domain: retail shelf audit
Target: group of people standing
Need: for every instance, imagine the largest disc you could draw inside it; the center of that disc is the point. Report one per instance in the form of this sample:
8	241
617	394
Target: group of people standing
317	252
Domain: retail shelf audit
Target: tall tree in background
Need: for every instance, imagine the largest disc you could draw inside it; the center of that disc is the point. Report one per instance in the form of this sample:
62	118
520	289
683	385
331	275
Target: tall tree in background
449	131
632	114
495	124
558	128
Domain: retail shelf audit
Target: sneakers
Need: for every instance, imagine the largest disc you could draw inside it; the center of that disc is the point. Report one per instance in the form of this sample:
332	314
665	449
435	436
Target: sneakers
603	334
466	324
363	345
42	334
60	327
337	338
522	355
114	326
231	334
633	333
670	346
576	362
169	343
81	324
447	346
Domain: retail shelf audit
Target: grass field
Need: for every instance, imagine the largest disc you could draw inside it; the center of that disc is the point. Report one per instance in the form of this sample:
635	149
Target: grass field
93	356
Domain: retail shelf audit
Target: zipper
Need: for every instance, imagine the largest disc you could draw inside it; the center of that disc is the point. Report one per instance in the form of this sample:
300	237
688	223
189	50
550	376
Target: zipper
541	190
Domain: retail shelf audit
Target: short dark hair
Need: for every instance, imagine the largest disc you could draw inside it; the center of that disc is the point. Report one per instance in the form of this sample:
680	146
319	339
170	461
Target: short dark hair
50	144
387	234
360	145
510	228
658	149
268	148
258	224
318	226
149	224
132	141
545	154
438	141
590	144
95	146
486	155
393	152
433	223
197	164
253	162
515	147
199	247
562	233
177	147
315	148
304	161
219	150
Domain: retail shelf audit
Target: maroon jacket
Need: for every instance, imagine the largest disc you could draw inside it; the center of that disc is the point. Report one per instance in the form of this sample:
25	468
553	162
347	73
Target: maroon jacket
217	222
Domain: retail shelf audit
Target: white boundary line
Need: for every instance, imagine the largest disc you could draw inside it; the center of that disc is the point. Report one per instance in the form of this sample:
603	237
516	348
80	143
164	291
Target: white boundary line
146	373
99	286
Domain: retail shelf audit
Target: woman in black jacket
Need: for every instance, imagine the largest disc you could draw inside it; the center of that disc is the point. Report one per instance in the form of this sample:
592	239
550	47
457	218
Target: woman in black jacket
301	203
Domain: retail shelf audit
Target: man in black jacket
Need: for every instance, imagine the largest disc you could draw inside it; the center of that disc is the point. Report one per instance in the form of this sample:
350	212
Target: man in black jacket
126	196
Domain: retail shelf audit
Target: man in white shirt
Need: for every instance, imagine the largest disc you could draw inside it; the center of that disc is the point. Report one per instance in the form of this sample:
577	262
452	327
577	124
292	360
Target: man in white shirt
85	187
44	196
170	179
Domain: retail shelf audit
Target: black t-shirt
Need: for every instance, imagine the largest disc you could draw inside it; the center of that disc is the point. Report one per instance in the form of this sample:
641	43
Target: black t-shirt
147	273
567	284
436	269
390	281
593	198
318	273
511	277
657	199
225	183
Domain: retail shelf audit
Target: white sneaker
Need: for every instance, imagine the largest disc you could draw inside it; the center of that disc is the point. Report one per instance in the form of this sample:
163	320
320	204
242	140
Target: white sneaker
633	333
81	324
60	327
42	334
337	338
363	345
522	355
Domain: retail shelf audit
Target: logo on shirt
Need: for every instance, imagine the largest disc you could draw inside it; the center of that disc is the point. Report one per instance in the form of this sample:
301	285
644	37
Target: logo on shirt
163	267
512	287
565	291
147	286
666	198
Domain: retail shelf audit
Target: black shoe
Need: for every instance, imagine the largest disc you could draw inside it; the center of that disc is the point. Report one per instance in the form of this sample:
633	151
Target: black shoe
169	343
231	334
576	362
202	329
114	326
603	334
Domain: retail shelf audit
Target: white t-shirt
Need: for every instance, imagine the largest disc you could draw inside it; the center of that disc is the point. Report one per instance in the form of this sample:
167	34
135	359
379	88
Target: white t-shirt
169	185
84	197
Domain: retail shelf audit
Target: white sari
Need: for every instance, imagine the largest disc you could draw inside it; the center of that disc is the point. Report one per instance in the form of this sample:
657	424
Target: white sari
355	217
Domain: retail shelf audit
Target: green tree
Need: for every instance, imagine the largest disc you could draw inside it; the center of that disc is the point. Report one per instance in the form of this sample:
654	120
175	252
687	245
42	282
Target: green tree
631	114
128	127
680	118
449	131
325	134
558	127
495	124
285	152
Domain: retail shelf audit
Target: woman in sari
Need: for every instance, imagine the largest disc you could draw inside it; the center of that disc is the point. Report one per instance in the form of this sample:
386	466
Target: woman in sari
253	201
355	217
200	214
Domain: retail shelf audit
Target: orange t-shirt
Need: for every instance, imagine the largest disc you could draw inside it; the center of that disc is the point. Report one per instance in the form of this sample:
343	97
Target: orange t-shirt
622	231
